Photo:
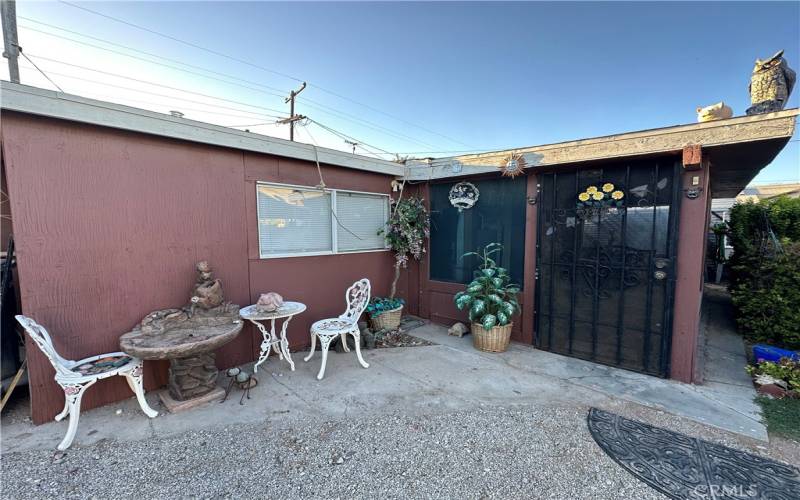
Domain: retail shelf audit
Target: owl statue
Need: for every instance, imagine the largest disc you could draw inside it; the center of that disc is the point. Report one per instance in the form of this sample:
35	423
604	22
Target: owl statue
770	85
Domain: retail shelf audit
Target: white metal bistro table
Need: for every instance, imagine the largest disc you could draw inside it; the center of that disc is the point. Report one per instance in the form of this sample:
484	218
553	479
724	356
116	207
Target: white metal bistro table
273	342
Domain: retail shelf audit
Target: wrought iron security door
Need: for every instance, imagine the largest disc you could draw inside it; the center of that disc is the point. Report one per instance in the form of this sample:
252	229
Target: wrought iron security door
606	264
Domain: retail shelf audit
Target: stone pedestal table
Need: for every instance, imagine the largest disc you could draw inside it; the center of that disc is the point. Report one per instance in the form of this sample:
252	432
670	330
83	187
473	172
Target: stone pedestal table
190	347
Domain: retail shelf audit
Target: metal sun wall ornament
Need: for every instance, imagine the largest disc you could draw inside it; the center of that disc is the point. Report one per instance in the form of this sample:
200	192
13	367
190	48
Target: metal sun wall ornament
593	200
512	165
464	195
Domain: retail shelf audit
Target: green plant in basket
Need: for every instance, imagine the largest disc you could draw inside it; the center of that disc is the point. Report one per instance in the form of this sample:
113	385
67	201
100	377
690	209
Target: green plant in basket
379	305
490	297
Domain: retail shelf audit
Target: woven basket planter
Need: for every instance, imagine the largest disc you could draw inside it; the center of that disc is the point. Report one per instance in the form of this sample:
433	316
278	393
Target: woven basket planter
494	340
388	320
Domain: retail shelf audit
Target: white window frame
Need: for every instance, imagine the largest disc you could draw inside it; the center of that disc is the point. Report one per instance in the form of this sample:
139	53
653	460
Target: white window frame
334	224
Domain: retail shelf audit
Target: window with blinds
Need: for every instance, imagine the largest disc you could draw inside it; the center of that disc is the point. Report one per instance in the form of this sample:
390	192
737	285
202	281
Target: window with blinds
305	221
360	216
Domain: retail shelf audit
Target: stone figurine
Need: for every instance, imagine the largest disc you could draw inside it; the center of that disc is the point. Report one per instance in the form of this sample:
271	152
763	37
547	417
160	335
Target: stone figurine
770	85
207	292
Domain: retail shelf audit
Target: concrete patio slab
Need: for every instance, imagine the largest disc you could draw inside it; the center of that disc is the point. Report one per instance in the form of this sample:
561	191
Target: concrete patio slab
449	376
725	404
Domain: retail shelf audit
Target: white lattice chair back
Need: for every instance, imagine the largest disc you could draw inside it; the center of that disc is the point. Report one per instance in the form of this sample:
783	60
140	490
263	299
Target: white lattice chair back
39	335
357	299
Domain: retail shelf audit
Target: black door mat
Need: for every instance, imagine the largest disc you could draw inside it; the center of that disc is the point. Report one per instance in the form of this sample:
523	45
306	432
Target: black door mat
684	467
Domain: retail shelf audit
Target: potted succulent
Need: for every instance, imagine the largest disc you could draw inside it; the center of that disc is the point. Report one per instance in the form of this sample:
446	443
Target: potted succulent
492	302
405	235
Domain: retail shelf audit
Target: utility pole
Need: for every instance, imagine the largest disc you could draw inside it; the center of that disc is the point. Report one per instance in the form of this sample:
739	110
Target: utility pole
352	143
11	44
292	117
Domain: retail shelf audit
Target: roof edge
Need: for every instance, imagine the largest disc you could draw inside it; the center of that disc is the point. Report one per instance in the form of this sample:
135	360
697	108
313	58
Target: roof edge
780	124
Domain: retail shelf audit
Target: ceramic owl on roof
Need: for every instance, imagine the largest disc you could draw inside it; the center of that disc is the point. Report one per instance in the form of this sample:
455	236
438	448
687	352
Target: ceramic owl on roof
770	85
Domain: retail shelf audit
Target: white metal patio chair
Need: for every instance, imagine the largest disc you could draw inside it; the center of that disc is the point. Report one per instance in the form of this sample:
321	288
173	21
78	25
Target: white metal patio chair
328	329
75	377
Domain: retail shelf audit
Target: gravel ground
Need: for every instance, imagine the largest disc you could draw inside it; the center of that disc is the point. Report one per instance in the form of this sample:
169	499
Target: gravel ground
486	452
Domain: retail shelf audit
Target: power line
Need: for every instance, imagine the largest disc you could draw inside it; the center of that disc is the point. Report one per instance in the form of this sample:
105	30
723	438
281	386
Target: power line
314	104
147	92
175	39
365	123
38	68
116	75
258	66
276	94
386	114
346	136
279	92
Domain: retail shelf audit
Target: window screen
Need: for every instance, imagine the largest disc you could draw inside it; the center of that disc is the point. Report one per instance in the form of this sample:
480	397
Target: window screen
292	221
498	216
360	217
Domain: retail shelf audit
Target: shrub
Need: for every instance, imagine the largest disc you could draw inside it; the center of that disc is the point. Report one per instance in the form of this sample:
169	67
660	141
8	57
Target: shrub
786	370
765	270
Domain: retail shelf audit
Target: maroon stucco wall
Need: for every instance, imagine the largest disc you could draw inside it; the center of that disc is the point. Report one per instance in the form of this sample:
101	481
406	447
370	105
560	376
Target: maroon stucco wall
108	226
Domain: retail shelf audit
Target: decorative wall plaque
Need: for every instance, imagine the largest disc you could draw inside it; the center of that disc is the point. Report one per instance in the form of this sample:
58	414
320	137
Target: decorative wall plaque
464	195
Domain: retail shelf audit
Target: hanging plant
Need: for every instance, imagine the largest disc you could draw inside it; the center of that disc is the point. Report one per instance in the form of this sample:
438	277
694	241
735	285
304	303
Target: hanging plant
604	197
409	225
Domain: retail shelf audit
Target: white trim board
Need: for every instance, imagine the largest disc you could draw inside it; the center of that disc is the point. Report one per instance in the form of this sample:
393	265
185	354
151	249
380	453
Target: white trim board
42	102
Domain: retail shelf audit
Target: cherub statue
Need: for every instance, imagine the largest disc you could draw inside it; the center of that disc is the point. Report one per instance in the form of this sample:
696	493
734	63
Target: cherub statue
770	85
207	292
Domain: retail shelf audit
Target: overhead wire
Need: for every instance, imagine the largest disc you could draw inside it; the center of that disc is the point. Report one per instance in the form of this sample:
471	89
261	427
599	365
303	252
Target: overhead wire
179	40
311	103
269	92
323	187
347	136
178	89
133	49
38	68
258	66
166	96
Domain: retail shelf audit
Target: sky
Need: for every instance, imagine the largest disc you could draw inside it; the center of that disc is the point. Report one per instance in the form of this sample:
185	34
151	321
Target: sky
419	79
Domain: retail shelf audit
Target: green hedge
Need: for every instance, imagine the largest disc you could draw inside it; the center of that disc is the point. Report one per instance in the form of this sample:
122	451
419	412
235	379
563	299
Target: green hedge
765	270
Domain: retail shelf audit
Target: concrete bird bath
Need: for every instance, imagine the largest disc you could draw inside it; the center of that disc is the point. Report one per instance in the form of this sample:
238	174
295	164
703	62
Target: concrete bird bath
188	338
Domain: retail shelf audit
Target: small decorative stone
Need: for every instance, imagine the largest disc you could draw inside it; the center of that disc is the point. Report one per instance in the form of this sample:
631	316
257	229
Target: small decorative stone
269	302
458	330
772	390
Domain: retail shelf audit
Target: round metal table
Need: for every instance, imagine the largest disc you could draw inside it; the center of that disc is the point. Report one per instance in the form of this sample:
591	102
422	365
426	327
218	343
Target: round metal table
273	342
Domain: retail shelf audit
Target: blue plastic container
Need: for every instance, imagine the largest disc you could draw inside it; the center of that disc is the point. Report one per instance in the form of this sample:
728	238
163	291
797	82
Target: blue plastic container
770	353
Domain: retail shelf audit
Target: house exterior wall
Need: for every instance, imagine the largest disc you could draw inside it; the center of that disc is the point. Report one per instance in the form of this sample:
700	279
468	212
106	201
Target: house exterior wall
436	298
108	225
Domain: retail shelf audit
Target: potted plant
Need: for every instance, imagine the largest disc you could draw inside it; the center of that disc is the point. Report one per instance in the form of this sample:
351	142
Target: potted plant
405	235
492	302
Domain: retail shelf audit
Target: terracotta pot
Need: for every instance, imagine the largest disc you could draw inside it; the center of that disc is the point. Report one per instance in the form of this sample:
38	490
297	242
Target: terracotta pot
494	340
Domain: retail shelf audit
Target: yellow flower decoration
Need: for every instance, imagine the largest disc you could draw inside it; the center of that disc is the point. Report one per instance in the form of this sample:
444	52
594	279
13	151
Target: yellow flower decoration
591	189
583	196
598	196
617	195
608	187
